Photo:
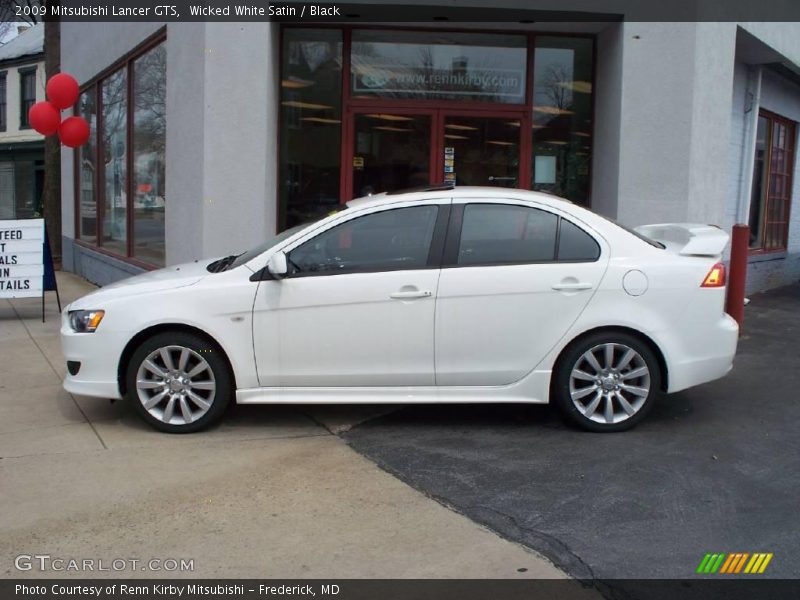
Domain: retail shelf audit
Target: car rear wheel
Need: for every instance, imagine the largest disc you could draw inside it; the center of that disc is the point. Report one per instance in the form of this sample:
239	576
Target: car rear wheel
178	382
607	382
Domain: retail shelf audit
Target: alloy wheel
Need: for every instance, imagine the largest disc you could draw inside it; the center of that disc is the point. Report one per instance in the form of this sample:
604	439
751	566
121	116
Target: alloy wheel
175	385
609	383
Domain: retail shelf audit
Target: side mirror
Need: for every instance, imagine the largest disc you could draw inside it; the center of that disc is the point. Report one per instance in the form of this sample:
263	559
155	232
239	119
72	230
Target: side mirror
277	265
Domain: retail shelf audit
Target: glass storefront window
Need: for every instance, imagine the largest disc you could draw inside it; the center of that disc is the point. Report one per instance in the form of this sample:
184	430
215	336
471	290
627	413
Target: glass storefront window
87	170
391	152
438	66
481	151
115	139
149	145
311	117
562	116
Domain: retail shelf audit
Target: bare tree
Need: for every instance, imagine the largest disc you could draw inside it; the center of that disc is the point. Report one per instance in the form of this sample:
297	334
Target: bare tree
556	86
5	28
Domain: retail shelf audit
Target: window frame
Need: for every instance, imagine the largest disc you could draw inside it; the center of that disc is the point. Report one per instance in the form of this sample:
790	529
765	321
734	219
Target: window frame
24	72
764	194
351	105
453	240
4	101
435	251
94	86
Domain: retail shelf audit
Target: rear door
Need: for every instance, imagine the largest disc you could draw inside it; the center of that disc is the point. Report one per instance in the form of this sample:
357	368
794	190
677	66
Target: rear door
515	277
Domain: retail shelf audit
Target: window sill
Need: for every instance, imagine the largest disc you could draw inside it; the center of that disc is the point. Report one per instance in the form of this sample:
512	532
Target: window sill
761	256
126	259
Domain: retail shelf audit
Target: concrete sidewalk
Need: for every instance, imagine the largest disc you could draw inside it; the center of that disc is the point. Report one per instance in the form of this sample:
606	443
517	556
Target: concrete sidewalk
272	492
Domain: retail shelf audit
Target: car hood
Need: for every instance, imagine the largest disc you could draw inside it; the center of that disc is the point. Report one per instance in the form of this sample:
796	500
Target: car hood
173	277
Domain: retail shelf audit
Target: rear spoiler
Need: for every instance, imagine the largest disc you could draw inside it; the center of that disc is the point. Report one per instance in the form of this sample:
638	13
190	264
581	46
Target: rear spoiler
687	239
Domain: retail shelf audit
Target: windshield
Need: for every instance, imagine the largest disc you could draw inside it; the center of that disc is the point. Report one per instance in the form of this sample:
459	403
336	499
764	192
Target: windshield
283	235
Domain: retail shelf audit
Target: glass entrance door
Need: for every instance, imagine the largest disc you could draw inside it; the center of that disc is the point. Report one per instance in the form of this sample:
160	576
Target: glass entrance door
481	150
397	149
391	151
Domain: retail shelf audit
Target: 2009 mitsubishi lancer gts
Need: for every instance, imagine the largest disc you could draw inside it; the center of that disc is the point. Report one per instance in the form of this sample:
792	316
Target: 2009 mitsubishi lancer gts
444	295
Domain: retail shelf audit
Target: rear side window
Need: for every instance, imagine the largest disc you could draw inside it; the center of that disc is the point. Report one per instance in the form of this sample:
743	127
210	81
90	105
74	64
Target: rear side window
574	244
503	233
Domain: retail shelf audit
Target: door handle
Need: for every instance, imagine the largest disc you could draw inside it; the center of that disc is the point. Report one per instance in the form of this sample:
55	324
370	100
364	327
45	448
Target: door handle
409	294
572	287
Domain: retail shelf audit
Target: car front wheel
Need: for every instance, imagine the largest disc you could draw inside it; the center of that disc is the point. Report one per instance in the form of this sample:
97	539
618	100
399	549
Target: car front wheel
178	382
607	382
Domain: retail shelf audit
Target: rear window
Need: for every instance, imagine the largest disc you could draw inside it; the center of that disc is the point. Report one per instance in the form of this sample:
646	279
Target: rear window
644	238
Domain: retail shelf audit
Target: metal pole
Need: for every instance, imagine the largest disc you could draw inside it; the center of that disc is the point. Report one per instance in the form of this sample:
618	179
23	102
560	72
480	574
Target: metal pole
734	303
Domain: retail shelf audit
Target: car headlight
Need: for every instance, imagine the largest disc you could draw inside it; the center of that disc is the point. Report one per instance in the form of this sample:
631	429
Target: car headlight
85	321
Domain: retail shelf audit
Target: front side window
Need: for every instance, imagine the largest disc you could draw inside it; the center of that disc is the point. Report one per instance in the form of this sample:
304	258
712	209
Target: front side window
384	241
506	234
27	95
771	194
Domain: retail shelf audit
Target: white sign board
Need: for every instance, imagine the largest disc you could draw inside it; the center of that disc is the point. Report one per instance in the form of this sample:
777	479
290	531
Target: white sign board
21	258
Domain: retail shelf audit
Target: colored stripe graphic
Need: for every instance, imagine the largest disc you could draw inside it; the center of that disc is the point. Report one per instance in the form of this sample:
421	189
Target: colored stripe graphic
766	562
703	563
732	558
734	562
741	562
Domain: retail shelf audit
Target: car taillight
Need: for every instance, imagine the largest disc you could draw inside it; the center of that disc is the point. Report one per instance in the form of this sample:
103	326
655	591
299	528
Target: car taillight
715	277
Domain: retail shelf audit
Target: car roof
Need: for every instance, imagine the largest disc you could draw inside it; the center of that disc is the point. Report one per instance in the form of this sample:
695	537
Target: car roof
594	220
461	191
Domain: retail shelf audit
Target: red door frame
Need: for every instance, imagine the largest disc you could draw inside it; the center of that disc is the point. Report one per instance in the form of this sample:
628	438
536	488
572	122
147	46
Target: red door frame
437	114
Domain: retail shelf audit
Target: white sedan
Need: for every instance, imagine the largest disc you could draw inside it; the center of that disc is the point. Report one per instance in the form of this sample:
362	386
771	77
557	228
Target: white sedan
443	295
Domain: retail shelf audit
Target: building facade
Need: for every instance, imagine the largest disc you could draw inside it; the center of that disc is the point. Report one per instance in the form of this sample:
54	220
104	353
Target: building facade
21	148
208	137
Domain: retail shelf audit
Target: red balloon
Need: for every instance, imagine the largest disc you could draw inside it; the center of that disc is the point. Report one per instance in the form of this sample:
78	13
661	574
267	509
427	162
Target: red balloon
44	118
62	90
74	132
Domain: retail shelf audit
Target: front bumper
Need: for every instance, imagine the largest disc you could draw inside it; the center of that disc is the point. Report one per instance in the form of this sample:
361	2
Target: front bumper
99	354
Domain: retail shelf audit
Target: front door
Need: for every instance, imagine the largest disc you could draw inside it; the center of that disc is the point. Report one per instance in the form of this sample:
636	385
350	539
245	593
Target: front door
393	149
357	307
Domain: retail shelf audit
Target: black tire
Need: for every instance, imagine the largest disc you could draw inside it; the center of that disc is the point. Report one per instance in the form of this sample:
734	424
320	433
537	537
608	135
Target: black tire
218	375
609	385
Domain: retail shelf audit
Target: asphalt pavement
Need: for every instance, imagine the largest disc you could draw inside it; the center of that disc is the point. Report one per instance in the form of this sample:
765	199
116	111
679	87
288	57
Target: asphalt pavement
712	469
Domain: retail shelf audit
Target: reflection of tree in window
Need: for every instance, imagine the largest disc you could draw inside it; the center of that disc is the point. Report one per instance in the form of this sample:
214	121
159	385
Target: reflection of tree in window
115	114
149	141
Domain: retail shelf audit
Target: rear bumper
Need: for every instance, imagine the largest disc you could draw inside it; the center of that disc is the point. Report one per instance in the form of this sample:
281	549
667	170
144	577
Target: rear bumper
711	359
